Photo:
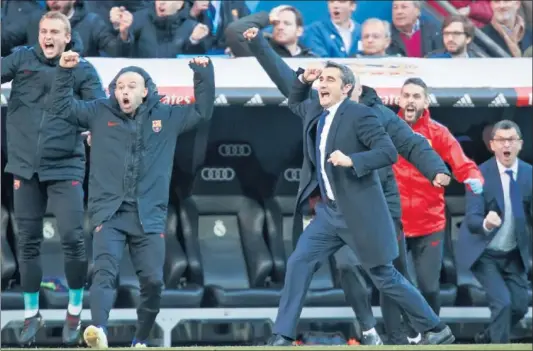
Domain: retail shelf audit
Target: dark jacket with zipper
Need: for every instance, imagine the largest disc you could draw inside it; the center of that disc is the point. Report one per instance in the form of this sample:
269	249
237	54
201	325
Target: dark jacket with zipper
132	156
160	37
412	146
94	32
51	148
239	45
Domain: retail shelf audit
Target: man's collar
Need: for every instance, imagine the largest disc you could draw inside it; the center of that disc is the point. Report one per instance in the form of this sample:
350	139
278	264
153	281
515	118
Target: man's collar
502	168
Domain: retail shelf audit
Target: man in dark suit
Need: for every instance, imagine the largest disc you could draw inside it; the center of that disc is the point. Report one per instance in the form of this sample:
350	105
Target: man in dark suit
495	238
344	145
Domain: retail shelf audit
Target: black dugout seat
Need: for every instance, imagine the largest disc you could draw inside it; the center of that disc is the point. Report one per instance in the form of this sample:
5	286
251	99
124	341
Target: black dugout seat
224	230
179	291
283	230
470	292
55	287
12	298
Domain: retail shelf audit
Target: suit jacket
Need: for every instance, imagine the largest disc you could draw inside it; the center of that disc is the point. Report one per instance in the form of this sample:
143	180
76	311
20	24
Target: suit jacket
431	40
357	132
472	239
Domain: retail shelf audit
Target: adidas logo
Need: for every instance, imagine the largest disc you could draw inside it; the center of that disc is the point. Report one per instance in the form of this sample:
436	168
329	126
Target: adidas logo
221	100
255	101
433	100
499	101
284	103
465	101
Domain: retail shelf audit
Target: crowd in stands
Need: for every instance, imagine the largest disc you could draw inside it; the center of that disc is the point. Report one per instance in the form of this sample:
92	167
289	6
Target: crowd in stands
168	29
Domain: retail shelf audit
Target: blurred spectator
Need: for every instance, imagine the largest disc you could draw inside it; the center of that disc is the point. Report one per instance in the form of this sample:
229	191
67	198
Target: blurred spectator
508	28
94	32
457	34
18	11
339	35
411	36
217	15
103	8
375	38
287	29
165	30
479	12
527	9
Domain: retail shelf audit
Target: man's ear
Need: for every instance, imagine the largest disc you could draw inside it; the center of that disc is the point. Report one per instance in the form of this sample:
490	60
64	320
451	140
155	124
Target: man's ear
145	92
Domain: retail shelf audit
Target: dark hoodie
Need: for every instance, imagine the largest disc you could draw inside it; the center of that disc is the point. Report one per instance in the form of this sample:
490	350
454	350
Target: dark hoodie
160	37
410	145
96	36
132	156
52	148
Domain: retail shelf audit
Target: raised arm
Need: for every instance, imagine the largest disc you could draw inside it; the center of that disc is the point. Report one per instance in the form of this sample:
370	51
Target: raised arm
371	133
62	102
189	116
414	147
235	30
299	101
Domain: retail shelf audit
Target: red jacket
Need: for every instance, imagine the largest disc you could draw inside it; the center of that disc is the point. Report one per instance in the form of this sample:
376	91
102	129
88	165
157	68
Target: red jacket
422	203
480	10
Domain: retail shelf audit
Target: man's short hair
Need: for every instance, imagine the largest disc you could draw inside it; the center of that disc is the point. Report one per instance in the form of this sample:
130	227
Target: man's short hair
56	15
297	15
505	125
385	24
347	75
416	81
470	30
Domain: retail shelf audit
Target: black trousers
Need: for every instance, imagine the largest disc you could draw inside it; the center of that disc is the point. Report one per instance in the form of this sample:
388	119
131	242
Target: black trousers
147	251
355	287
504	279
66	204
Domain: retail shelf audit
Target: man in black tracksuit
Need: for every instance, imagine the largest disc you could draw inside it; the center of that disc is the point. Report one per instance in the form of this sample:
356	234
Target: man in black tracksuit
132	151
410	145
47	160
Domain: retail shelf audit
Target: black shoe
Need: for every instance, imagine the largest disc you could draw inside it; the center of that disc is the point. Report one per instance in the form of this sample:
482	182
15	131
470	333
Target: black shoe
371	339
279	340
443	337
482	338
72	330
30	329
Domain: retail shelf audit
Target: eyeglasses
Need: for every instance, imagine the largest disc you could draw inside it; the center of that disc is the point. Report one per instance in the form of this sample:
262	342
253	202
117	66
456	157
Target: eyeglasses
503	141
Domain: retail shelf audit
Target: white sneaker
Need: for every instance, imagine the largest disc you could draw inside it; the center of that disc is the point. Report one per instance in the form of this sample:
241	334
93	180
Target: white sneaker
416	340
95	337
139	345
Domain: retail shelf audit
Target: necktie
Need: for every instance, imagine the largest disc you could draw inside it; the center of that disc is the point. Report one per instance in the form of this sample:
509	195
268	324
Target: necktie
516	198
319	165
212	12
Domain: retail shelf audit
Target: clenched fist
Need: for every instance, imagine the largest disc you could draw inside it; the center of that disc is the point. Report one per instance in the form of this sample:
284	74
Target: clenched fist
200	61
250	33
492	221
337	158
441	180
199	32
115	14
69	59
312	73
126	20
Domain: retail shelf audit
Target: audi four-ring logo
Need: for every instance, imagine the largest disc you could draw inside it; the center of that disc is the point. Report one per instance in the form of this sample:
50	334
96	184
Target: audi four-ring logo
218	174
292	174
234	150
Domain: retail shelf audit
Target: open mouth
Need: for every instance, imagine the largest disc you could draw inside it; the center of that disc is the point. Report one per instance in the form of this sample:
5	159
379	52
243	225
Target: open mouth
336	13
324	94
125	102
48	46
161	10
507	153
410	109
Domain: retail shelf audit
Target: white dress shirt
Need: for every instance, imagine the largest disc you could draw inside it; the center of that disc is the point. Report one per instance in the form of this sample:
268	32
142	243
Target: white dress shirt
322	148
346	35
505	239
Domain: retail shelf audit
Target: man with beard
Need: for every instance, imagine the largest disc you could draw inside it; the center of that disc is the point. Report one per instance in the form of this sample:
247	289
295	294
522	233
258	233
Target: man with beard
457	33
134	137
95	34
47	159
423	214
409	144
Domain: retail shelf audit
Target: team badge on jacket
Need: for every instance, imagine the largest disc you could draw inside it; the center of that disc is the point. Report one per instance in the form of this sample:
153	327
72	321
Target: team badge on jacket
156	125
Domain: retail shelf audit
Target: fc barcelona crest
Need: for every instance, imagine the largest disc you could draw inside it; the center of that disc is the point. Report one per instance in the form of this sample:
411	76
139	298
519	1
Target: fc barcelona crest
156	125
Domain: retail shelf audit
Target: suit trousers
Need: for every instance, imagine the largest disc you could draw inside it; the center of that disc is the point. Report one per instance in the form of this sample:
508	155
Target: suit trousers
65	200
322	238
357	289
504	280
147	252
